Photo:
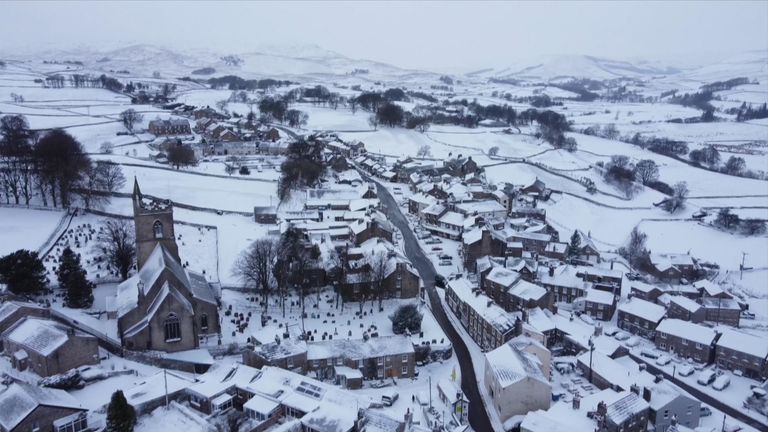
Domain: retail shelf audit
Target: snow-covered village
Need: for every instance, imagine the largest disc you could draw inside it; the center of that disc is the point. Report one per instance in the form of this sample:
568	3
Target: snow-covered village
273	225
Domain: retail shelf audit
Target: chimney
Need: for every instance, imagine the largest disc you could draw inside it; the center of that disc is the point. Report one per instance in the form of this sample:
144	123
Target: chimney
489	303
576	402
659	378
634	388
602	409
70	331
611	264
647	394
598	330
551	272
518	327
408	417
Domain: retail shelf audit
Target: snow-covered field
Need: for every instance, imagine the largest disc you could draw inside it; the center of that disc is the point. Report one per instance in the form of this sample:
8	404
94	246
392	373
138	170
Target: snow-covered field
26	228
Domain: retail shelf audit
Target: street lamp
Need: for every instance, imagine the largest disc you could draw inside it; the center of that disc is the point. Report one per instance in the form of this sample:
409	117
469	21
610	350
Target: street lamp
591	350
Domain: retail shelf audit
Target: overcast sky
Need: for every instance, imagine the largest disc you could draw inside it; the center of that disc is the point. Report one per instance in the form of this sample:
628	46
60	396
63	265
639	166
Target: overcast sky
430	35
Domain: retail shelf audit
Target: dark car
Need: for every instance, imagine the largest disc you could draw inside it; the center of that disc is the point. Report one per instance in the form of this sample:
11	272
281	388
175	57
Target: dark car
439	281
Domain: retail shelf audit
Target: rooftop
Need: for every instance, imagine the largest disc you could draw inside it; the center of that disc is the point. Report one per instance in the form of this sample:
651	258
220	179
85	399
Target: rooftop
743	342
687	330
643	309
511	364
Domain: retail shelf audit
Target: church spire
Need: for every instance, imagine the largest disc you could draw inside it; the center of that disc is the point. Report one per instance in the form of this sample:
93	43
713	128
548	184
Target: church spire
136	190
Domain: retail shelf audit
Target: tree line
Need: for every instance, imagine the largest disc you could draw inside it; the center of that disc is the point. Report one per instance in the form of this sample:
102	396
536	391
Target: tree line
52	167
234	82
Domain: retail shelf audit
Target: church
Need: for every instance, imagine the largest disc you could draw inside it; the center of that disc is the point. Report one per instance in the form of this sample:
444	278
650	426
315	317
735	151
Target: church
163	307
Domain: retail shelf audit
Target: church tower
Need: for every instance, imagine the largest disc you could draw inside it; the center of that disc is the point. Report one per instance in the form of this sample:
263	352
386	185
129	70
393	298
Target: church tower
153	219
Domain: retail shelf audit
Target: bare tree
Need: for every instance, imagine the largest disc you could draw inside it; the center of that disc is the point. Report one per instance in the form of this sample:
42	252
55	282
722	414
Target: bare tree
678	198
424	151
116	241
254	266
129	118
379	263
493	151
646	171
107	147
352	103
373	121
98	182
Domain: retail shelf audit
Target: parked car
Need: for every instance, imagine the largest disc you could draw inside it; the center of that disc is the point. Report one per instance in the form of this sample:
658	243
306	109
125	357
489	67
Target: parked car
445	257
389	397
663	360
685	370
423	235
704	411
621	336
610	331
650	354
721	382
433	240
633	341
445	263
587	319
706	377
439	281
747	315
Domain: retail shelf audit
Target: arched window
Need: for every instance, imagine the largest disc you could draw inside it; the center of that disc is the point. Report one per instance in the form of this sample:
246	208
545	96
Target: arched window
172	328
204	322
157	228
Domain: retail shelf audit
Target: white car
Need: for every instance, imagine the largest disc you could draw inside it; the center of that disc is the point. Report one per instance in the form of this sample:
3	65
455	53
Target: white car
685	370
621	336
706	377
663	360
721	382
610	331
633	341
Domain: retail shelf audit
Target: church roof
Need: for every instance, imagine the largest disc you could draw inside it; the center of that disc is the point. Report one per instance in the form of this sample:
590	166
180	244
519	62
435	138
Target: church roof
159	260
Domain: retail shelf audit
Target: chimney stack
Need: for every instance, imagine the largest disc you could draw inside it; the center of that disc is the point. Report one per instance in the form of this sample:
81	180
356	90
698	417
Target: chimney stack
576	402
551	272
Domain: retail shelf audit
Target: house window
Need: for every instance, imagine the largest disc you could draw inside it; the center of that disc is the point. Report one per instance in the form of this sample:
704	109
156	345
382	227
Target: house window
204	322
405	370
405	358
380	361
289	362
157	229
80	423
172	328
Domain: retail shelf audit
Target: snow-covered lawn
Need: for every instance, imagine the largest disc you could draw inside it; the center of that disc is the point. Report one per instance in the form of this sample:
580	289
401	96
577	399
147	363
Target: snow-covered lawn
24	228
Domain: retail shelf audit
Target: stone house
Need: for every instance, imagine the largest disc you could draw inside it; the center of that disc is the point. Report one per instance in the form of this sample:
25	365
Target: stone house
640	317
284	353
644	291
668	405
487	323
377	265
26	407
686	339
599	304
451	395
216	390
721	310
169	127
47	347
12	311
265	214
510	371
562	283
683	308
743	352
376	358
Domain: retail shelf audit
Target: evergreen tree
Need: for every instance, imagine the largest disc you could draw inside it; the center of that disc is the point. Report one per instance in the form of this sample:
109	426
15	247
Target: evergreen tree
121	417
575	246
23	272
72	278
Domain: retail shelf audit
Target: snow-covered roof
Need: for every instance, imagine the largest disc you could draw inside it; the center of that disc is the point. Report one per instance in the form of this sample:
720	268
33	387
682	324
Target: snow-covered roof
358	349
261	404
743	342
664	261
279	350
472	236
423	198
626	405
510	364
599	296
662	393
608	368
483	305
39	335
452	218
685	303
19	400
527	291
720	303
153	387
503	277
220	378
687	330
642	286
709	287
643	309
564	276
540	319
485	206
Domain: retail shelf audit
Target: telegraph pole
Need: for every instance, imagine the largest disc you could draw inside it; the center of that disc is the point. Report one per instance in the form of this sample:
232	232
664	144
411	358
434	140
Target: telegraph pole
741	268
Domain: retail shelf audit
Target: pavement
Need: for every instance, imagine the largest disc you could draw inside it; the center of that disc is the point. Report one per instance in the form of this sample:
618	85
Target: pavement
478	417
